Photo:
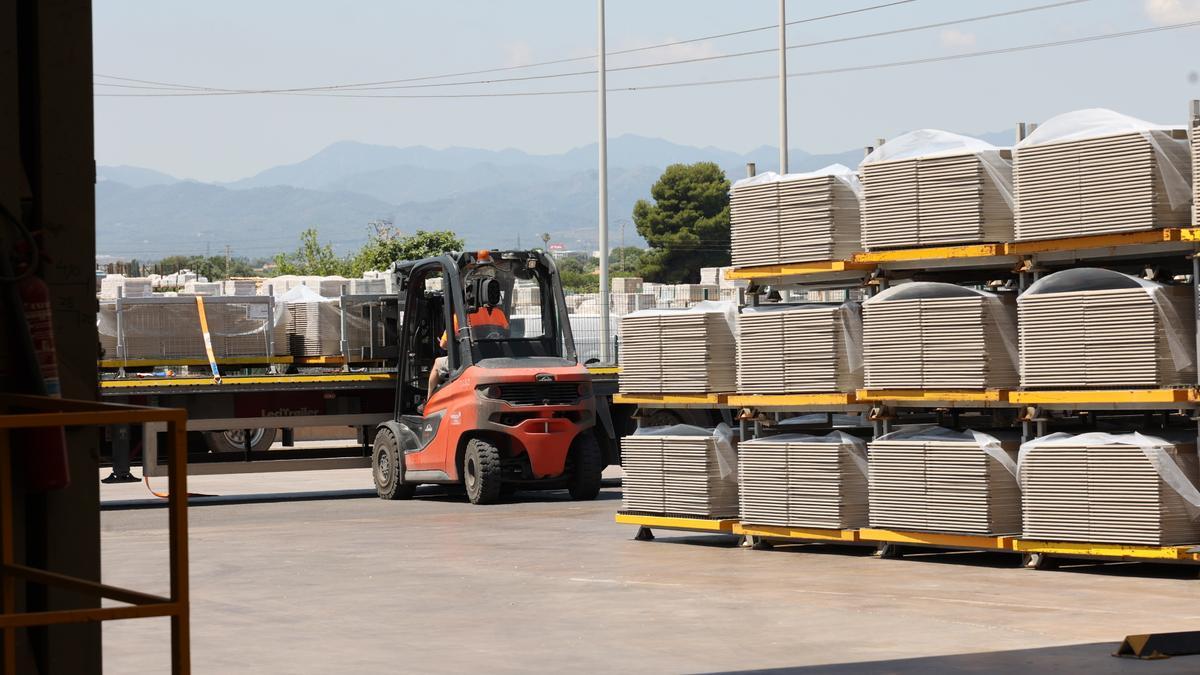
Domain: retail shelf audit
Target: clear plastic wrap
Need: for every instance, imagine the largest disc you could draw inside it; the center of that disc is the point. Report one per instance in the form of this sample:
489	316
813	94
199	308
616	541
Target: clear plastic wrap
722	436
1176	331
850	317
728	309
934	143
1171	154
1152	446
933	433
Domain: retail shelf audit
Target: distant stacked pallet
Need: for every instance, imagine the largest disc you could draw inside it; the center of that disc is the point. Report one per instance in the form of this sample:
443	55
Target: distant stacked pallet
113	285
787	349
931	187
795	217
1089	327
1099	172
797	480
929	335
314	327
679	351
939	480
1107	488
241	286
679	471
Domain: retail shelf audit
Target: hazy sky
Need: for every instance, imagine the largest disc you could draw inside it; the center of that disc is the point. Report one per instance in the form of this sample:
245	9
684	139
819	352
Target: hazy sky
276	44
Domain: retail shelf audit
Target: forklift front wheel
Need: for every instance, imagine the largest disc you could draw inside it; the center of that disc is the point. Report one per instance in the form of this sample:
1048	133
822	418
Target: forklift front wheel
387	468
588	469
481	472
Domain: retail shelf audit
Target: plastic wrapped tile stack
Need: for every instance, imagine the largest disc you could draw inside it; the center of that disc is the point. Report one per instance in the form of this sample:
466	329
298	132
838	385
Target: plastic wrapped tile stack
170	329
1099	172
679	351
202	288
797	480
787	349
1109	488
242	286
367	287
1088	327
931	187
680	470
795	217
314	324
933	479
930	335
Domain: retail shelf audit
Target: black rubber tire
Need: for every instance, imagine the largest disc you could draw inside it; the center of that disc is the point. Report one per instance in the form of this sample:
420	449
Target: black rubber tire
481	472
218	441
588	467
386	466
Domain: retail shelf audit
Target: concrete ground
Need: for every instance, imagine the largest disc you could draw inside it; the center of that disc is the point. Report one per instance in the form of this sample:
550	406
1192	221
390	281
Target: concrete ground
346	583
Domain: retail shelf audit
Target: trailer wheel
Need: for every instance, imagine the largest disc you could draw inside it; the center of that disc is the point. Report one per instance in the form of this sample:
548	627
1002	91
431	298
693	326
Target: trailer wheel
481	472
387	468
234	440
588	461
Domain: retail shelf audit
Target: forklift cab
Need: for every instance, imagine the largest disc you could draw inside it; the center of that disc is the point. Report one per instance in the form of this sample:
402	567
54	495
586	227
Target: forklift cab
511	382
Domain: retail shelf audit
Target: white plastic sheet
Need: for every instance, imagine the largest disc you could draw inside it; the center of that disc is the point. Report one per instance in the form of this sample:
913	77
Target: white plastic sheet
1153	447
839	171
853	445
1174	163
935	143
933	433
1002	320
728	309
722	436
1094	279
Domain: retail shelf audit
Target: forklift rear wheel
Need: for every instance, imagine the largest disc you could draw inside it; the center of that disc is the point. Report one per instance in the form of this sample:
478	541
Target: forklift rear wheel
588	467
481	472
386	468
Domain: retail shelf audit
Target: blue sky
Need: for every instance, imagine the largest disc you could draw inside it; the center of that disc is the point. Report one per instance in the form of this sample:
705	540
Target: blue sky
275	44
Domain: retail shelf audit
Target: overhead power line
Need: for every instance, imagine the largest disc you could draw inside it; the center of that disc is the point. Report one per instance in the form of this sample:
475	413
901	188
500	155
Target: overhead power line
485	71
733	80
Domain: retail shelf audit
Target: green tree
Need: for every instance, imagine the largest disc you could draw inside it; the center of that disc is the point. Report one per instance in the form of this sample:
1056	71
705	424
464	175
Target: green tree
312	258
687	225
213	267
387	245
578	274
626	261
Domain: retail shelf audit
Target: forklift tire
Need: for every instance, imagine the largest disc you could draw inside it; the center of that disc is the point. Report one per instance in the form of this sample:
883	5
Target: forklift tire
386	468
481	472
588	467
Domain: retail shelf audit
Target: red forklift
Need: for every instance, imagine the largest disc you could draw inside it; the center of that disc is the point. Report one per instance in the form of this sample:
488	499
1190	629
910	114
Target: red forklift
490	393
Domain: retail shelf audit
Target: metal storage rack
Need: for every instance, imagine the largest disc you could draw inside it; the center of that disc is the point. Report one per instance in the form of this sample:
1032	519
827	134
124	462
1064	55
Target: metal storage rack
1018	262
37	412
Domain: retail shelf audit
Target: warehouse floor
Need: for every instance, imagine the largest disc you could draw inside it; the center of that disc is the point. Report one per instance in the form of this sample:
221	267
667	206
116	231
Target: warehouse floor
354	584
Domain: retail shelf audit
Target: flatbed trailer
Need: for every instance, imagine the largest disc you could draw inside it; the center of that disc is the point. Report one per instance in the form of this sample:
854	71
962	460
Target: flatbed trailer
317	398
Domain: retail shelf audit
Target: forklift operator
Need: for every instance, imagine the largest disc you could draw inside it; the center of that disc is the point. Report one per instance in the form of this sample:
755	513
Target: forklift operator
488	320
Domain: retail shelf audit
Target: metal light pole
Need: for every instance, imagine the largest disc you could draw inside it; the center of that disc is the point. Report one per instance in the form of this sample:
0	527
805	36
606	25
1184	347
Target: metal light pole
602	116
783	121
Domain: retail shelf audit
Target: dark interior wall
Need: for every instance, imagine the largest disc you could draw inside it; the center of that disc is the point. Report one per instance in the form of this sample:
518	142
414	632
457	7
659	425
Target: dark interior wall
47	177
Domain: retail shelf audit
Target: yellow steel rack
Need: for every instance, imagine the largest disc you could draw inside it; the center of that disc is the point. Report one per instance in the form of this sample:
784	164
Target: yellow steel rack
39	412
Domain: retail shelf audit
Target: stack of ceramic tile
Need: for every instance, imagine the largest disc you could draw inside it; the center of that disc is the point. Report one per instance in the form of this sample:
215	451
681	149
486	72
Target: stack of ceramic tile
241	287
798	348
938	480
1104	488
1088	327
679	471
627	285
113	285
796	480
696	292
170	329
754	222
931	187
376	286
1196	171
795	217
1097	172
689	351
930	335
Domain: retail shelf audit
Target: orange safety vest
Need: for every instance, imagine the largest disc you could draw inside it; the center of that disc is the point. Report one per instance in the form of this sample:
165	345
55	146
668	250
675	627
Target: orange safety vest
481	317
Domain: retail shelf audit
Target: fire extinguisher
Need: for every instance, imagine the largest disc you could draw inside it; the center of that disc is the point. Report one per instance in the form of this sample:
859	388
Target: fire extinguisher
44	449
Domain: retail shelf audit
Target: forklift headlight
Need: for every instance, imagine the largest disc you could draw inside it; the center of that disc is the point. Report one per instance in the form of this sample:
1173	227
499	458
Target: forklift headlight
585	390
493	391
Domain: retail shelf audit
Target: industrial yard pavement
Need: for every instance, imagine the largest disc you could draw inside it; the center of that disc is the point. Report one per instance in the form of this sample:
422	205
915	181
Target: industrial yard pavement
358	585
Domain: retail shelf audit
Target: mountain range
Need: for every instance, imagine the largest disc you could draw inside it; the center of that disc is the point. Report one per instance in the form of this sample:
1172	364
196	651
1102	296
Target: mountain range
492	198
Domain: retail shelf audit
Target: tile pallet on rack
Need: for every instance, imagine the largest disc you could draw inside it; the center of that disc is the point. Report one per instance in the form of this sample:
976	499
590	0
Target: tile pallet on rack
678	476
793	219
798	349
794	481
700	358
